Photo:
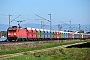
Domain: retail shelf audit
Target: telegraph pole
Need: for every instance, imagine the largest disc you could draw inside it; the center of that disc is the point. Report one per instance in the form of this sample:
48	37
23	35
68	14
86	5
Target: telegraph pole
9	19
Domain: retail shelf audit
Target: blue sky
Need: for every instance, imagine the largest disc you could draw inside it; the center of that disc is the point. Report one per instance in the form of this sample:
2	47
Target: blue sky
78	11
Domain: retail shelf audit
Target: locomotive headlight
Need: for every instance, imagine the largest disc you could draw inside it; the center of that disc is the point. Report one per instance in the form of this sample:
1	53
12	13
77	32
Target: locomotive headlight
14	33
8	34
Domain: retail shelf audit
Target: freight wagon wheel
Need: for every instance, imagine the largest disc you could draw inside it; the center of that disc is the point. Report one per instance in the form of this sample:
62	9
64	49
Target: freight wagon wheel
7	40
16	40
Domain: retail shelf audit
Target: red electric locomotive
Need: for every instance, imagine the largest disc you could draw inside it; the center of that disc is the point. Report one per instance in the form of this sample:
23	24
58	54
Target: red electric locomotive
14	33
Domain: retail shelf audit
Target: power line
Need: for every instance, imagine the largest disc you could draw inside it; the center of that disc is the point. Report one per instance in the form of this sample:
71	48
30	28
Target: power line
13	19
19	21
4	11
59	27
16	18
3	18
65	23
42	17
45	19
42	23
3	14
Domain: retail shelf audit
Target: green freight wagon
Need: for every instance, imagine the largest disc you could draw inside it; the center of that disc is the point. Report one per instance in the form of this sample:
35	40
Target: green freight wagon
41	33
37	33
52	34
61	34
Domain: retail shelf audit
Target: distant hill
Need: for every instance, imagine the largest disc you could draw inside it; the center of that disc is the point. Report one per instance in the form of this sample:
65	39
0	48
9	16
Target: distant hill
35	25
3	27
31	25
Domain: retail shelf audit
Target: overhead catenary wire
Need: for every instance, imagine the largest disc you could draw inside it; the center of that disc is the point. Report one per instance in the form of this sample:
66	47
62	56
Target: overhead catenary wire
3	14
15	18
42	23
59	27
45	19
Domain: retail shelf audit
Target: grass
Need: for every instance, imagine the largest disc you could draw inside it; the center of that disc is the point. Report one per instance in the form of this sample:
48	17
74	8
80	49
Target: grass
49	45
63	54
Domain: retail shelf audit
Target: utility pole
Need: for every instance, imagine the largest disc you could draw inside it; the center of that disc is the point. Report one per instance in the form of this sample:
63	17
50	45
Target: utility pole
59	27
9	19
41	24
70	25
79	26
50	22
13	19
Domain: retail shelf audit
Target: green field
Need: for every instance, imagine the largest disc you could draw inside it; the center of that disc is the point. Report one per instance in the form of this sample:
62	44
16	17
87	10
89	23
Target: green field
44	46
62	54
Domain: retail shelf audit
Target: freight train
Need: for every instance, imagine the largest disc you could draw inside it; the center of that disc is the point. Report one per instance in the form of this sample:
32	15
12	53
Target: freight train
15	33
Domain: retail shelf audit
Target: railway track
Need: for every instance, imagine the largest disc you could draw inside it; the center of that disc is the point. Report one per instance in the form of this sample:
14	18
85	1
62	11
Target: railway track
43	41
5	42
16	43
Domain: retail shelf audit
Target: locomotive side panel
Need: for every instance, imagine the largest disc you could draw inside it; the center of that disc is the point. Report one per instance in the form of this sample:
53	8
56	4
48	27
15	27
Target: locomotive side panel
22	33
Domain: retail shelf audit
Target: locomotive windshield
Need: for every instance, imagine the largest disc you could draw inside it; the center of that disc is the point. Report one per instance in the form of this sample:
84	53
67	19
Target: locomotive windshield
11	30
